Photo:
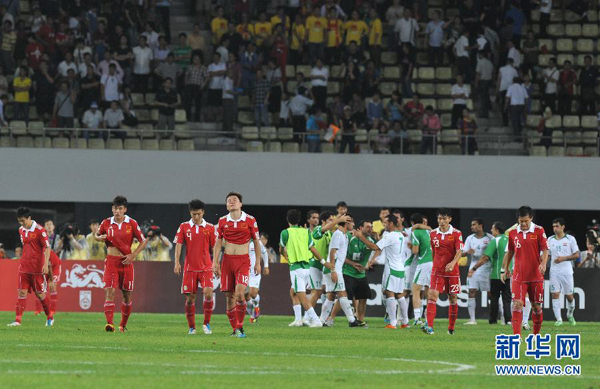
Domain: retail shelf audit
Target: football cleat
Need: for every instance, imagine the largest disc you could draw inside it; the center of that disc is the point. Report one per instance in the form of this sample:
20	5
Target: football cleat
502	321
50	322
470	323
450	332
252	320
386	319
14	324
526	327
234	334
256	313
390	327
572	321
192	331
123	329
357	323
418	323
315	324
404	326
428	330
207	329
328	322
109	328
558	323
240	333
306	322
295	323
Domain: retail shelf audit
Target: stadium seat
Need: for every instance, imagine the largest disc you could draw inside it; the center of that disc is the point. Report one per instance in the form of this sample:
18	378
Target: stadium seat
33	115
268	133
426	73
42	142
154	115
285	133
304	69
25	141
182	131
388	58
452	149
387	88
243	102
290	71
533	137
427	102
327	148
291	147
538	151
96	144
132	144
415	136
558	137
333	88
24	6
554	122
444	74
556	15
138	99
391	72
18	127
592	16
573	30
180	116
591	151
556	151
570	121
561	58
335	72
443	89
36	128
150	144
250	133
544	59
114	144
246	117
291	87
556	30
143	115
575	151
533	121
450	136
573	137
150	98
580	61
590	137
589	121
536	106
549	43
5	141
146	130
446	120
564	45
373	133
79	143
273	147
444	105
185	145
361	136
426	89
60	143
166	144
585	45
422	58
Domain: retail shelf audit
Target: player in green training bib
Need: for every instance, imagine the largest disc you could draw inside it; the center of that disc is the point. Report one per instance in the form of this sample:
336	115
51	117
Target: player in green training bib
421	248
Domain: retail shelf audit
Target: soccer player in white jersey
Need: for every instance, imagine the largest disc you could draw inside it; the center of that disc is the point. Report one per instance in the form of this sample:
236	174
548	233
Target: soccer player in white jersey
252	296
480	280
563	251
334	279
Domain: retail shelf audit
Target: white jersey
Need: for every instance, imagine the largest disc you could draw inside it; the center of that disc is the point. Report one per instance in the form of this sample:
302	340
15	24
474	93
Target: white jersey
392	247
339	241
478	245
252	254
564	247
406	250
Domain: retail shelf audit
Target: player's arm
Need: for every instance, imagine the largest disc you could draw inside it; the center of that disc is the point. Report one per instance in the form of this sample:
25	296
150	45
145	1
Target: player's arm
100	235
340	219
47	267
420	226
544	261
334	276
216	257
265	258
366	241
177	269
131	257
505	264
484	258
355	265
256	251
457	256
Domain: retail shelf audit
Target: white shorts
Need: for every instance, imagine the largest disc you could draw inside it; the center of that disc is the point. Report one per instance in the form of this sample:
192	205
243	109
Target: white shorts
423	275
331	286
479	281
386	273
394	284
561	283
316	278
300	278
409	274
254	281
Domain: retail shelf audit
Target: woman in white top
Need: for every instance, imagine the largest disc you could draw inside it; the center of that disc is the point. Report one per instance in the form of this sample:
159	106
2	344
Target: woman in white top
319	76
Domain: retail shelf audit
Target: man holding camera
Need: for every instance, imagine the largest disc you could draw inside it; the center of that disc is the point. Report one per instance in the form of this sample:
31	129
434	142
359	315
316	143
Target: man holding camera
71	245
158	245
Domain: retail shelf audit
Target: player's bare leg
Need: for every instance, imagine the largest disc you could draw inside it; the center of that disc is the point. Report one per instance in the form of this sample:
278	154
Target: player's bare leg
432	297
538	317
472	304
361	309
416	298
452	312
190	312
53	297
125	310
517	316
207	307
334	311
109	309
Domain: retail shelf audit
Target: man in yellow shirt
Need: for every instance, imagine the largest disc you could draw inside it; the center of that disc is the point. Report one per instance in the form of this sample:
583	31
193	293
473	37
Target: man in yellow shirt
22	85
96	250
245	28
158	246
316	26
355	29
297	41
375	34
279	18
335	28
262	29
218	26
378	225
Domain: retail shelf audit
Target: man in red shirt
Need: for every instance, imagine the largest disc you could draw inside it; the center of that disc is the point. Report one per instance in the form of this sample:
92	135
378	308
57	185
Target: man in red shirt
118	233
34	264
199	239
235	231
525	243
446	244
52	281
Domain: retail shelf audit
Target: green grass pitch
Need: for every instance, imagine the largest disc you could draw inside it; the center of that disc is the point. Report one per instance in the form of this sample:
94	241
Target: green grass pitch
158	353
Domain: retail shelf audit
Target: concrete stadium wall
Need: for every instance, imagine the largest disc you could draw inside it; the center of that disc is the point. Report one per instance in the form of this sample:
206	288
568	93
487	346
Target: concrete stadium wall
299	179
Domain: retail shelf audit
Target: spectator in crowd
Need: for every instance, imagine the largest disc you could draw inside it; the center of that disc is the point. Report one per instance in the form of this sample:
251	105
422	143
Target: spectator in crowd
462	51
95	250
245	28
169	69
413	112
335	35
355	30
407	29
18	252
315	25
72	244
3	102
375	36
319	76
531	49
460	94
44	91
467	128
550	76
430	125
113	119
383	140
183	54
273	257
516	98
158	246
566	88
196	78
298	40
104	66
588	79
313	130
351	83
273	75
67	64
392	15
160	53
92	119
518	18
514	53
299	104
89	88
3	81
64	106
151	36
234	38
229	106
109	86
359	109
407	64
394	109
375	111
7	46
483	83
348	130
284	111
82	68
216	73
196	41
142	58
163	8
545	10
400	139
22	86
435	39
80	51
167	99
260	99
262	30
506	75
2	252
354	54
250	63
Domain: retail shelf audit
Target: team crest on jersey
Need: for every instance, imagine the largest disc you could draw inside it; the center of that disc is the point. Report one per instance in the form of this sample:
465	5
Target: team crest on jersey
44	234
32	236
128	230
206	232
450	237
243	225
533	236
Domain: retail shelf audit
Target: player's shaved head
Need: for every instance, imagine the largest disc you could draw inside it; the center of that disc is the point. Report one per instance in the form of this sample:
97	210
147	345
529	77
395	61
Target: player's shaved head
236	194
120	201
196	205
293	217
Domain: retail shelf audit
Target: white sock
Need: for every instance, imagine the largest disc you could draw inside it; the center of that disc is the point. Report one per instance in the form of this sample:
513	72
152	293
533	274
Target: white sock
501	308
392	305
526	311
417	313
347	308
472	305
424	307
326	310
570	308
256	300
404	309
297	312
312	315
249	305
399	312
556	309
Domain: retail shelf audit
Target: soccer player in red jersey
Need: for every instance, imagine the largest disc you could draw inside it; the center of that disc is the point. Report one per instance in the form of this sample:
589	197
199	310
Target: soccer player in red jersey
234	232
525	243
52	282
33	266
118	233
446	244
199	239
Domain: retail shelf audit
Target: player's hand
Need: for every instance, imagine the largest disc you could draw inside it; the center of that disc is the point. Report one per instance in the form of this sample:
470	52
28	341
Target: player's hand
470	274
503	277
45	270
471	251
329	266
266	271
257	268
177	269
542	268
334	277
128	259
344	219
102	237
449	267
359	267
217	270
559	260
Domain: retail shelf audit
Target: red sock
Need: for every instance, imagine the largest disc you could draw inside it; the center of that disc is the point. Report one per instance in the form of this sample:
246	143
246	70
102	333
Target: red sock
517	320
20	308
431	307
109	311
38	306
46	306
452	313
240	311
538	318
53	302
190	314
125	312
208	309
232	318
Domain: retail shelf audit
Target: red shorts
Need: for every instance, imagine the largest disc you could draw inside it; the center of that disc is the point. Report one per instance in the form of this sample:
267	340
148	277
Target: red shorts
535	291
55	274
32	282
191	280
235	270
117	275
450	285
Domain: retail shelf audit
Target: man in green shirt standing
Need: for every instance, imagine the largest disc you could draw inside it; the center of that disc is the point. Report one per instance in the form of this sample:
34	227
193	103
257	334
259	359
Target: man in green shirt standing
296	244
494	252
421	248
354	267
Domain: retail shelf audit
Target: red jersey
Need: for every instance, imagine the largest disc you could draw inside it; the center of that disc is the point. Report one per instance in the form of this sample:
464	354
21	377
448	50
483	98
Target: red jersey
47	34
54	259
199	241
237	231
34	52
527	246
121	235
445	245
34	240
